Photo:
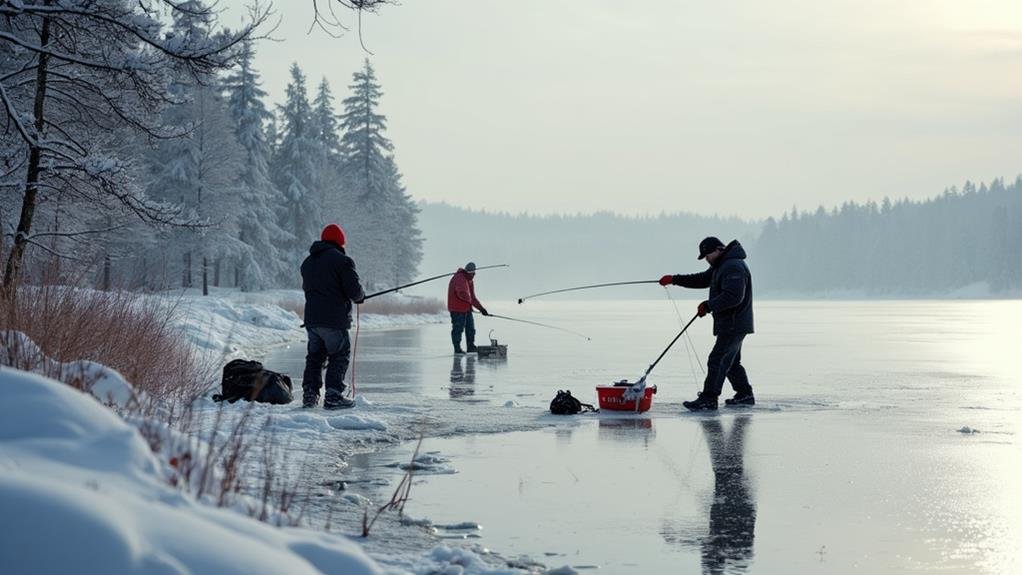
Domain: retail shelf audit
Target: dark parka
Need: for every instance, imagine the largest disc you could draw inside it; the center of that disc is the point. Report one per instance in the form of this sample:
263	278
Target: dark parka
730	283
330	283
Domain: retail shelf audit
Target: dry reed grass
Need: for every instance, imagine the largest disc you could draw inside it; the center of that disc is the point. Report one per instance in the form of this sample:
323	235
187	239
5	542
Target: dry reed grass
126	331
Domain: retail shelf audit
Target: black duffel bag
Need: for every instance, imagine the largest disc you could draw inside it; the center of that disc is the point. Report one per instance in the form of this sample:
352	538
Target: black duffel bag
248	380
567	404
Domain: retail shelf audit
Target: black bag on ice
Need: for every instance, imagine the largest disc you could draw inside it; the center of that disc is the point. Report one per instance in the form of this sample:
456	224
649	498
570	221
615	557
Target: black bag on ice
248	380
566	404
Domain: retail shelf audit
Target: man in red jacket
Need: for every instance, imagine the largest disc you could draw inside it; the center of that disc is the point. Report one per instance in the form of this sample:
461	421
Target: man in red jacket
461	298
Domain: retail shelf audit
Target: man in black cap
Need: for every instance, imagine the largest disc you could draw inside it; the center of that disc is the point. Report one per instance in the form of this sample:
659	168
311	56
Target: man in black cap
730	302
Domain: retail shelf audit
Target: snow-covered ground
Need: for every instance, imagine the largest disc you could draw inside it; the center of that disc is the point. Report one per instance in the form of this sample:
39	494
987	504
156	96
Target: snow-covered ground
82	492
229	323
86	490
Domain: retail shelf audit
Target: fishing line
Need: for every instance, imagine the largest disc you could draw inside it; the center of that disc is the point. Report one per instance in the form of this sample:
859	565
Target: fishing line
536	323
354	348
688	340
522	299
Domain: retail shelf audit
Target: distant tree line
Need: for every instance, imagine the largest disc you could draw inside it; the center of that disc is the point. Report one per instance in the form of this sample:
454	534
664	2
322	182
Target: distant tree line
964	236
140	151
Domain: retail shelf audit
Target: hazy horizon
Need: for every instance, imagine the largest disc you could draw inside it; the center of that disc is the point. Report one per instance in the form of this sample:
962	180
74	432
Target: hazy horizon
740	109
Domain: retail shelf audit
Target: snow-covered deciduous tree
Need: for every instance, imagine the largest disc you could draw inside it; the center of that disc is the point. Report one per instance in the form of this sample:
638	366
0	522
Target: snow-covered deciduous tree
75	74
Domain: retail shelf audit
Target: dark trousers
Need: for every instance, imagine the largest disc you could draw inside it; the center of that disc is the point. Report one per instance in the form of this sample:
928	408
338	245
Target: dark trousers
326	343
726	361
463	321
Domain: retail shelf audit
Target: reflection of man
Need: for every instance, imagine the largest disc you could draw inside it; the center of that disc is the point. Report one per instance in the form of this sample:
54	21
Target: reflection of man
733	512
463	380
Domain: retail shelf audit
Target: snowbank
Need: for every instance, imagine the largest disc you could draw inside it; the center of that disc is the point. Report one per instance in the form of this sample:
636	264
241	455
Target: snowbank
229	323
82	492
17	349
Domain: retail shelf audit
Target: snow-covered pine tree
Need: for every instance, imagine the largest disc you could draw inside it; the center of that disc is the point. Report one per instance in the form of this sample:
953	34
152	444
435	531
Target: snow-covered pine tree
383	216
295	171
261	262
335	202
408	254
77	74
200	171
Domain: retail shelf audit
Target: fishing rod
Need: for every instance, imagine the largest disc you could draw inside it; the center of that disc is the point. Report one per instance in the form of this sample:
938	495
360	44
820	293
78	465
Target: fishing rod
522	299
637	389
540	325
669	346
429	280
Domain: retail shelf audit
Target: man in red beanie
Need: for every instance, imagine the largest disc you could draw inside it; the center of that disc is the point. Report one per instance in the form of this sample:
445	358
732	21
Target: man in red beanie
331	285
461	298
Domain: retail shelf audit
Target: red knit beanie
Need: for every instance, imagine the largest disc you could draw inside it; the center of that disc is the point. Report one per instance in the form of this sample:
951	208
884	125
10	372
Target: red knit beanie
333	233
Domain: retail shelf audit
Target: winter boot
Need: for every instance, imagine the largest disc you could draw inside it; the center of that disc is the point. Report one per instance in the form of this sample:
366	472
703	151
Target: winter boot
458	350
310	398
471	349
702	403
336	400
741	399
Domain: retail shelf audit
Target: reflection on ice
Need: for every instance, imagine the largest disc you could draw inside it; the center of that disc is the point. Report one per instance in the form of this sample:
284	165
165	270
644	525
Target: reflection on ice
733	512
726	546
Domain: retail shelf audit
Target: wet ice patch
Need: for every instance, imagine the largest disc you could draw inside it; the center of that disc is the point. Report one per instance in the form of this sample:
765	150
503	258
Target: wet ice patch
429	463
463	530
463	526
356	499
356	422
457	561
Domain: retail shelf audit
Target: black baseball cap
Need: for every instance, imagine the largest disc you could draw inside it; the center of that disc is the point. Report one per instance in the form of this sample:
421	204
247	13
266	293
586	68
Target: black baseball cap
708	246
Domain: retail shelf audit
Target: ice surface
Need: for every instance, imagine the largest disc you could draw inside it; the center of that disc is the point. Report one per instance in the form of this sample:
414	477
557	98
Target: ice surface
846	463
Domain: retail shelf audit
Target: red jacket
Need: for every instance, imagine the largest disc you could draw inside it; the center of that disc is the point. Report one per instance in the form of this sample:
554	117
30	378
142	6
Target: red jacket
461	293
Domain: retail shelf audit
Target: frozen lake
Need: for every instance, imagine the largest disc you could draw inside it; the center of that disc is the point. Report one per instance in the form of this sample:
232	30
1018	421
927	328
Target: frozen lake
853	461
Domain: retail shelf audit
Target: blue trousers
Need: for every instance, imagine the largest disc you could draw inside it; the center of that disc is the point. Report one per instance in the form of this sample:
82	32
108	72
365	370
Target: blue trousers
331	346
463	321
725	361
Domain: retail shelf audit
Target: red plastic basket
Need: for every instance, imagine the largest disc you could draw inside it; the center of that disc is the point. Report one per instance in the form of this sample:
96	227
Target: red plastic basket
612	398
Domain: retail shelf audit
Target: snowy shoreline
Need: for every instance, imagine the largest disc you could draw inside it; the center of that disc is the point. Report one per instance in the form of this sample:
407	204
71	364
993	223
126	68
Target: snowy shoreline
228	323
114	495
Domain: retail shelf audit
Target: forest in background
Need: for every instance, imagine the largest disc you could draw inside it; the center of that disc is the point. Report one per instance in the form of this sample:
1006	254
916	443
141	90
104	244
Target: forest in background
907	248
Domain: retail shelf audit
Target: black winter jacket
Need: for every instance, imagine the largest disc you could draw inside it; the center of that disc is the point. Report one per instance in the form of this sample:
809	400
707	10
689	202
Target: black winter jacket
330	283
730	283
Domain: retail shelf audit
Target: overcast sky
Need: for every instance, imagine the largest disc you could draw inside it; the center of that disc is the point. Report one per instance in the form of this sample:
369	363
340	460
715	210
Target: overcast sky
737	107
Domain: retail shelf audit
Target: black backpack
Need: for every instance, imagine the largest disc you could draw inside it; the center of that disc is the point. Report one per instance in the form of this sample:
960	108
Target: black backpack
248	380
566	404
